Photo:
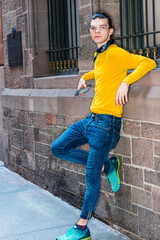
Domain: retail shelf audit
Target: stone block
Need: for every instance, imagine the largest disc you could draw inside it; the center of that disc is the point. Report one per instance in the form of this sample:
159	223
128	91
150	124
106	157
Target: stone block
84	19
55	164
85	2
26	173
134	208
28	138
38	119
57	131
124	146
71	181
41	162
131	127
156	199
142	152
157	163
46	130
15	124
52	181
70	197
141	197
124	219
106	187
39	180
8	21
73	119
17	139
27	62
126	160
15	4
19	11
151	130
120	197
24	118
86	53
24	5
20	22
147	187
152	177
16	151
85	147
5	6
42	149
157	148
149	223
43	138
45	104
103	208
79	168
133	176
28	160
61	120
7	125
82	189
50	119
16	99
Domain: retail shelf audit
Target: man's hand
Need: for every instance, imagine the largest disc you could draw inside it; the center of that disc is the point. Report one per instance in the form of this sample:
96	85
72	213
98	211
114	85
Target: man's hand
121	96
82	84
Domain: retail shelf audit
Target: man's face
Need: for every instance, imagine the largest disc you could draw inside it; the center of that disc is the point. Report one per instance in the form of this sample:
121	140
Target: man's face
100	31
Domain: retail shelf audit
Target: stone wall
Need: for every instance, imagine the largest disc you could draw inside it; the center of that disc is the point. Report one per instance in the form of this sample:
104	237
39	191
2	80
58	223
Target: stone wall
16	14
31	124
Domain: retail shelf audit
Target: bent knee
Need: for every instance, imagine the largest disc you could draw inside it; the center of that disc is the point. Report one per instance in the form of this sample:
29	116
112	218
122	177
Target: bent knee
55	149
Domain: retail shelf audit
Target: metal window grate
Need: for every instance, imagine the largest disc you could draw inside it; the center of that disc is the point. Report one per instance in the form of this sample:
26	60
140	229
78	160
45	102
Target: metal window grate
63	37
139	27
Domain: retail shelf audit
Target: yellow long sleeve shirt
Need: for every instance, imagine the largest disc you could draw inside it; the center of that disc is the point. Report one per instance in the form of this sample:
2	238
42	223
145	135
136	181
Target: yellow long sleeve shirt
109	72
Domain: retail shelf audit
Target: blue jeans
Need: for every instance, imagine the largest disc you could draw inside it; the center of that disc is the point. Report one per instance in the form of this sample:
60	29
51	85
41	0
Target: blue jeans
102	132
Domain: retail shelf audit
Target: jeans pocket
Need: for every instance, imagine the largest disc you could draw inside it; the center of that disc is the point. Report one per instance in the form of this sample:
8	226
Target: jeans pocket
115	138
104	124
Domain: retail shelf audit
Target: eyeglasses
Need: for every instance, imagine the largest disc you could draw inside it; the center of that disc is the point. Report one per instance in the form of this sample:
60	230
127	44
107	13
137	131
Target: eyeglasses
101	28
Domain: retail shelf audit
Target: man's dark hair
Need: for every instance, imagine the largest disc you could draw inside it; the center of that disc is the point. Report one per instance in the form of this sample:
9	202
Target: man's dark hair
103	15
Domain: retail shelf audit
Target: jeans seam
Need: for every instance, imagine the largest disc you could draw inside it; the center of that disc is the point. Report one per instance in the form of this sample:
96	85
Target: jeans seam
73	141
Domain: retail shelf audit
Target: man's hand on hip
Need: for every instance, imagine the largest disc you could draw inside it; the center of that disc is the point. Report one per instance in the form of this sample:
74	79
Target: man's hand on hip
121	96
82	84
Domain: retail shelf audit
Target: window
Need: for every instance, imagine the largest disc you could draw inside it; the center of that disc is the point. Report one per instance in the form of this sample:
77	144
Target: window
140	32
63	37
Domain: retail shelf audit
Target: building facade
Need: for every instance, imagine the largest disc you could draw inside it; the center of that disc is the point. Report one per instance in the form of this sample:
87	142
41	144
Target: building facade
51	41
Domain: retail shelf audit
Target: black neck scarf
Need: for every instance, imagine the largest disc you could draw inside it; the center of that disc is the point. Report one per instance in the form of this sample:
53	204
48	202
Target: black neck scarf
102	49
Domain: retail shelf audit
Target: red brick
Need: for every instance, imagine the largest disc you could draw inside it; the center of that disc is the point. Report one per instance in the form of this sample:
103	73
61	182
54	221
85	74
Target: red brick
50	119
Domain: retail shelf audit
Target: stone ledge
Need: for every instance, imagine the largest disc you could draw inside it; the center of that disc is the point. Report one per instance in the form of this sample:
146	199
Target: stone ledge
63	101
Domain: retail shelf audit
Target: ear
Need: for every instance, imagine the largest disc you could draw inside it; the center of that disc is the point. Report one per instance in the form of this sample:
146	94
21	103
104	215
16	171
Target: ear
111	30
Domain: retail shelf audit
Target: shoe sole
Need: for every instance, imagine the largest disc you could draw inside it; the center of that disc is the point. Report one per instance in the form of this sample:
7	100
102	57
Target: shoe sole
81	238
86	238
115	190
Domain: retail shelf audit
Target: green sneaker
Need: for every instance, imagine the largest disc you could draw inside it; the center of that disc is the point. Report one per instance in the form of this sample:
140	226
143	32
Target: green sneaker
113	176
76	234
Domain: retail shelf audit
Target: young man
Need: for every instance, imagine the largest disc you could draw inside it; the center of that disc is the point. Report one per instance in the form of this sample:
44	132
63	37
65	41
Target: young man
101	128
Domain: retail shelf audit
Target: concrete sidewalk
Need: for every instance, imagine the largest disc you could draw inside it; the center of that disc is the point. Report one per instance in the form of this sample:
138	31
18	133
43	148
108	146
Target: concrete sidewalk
28	212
